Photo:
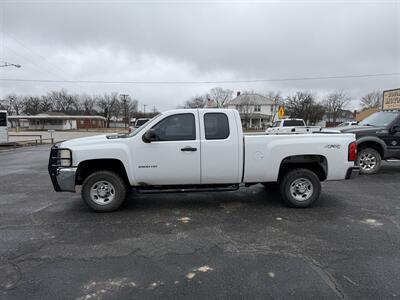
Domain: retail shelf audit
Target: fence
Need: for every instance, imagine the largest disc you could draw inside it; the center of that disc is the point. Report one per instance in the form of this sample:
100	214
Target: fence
33	139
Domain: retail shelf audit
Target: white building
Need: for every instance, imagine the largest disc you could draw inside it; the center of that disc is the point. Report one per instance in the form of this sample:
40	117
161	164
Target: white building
56	122
256	111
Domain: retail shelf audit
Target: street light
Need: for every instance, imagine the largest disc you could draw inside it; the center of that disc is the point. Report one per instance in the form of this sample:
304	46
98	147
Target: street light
6	64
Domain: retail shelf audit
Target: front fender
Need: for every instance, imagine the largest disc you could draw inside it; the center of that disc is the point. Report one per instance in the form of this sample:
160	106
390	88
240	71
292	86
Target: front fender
112	151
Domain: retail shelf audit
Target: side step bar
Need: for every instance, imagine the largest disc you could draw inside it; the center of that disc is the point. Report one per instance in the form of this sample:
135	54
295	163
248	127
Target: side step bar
155	190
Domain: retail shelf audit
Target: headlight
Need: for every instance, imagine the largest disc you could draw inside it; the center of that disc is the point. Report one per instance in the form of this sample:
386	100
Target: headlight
65	157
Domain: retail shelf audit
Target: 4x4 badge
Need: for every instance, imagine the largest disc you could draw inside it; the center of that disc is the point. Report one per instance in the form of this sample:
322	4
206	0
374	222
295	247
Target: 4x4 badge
332	146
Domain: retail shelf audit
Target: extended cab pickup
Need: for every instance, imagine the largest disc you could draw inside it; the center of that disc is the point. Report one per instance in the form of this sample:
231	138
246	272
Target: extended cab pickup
285	126
197	150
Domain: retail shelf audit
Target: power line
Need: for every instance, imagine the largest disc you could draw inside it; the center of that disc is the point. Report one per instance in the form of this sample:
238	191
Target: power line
202	82
30	51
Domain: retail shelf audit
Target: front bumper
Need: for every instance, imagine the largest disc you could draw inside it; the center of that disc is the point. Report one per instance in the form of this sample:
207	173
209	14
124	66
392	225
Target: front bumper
352	172
62	178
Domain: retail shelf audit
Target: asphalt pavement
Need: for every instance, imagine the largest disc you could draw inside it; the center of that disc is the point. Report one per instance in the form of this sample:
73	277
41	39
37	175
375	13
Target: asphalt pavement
226	245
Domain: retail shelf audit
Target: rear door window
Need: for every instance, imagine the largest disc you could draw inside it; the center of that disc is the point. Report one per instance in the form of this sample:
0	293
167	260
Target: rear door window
216	126
290	123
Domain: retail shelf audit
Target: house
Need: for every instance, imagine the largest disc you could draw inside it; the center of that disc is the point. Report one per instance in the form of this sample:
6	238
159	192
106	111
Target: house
56	121
256	111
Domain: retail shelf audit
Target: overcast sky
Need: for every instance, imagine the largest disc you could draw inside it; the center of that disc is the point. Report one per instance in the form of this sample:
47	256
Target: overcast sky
199	41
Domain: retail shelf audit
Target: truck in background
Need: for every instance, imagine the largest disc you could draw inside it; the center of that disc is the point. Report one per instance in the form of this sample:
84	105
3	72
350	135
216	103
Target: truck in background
286	126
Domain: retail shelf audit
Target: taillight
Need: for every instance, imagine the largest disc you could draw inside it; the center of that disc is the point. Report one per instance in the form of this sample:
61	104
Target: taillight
353	151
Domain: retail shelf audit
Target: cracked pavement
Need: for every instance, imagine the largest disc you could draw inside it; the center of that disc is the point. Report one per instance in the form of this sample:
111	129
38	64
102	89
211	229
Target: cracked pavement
226	245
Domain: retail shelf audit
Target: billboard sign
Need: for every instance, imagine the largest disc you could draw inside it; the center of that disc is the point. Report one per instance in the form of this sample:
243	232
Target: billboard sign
391	100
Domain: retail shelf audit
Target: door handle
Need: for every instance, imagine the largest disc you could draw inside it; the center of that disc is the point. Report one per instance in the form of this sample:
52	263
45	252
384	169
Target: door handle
188	148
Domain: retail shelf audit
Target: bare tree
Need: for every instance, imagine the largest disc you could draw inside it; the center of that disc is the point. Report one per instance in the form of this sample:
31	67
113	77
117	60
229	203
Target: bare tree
372	100
46	104
88	103
196	102
334	104
62	101
220	96
303	105
16	104
109	106
32	105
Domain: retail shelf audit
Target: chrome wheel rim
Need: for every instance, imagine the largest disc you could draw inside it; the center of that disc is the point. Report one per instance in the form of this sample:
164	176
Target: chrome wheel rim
102	192
367	161
301	189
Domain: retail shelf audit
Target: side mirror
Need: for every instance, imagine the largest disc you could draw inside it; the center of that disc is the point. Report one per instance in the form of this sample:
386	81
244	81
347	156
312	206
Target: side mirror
149	136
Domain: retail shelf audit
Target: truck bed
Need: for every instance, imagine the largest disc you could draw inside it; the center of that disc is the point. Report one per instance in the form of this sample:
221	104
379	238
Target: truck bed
264	153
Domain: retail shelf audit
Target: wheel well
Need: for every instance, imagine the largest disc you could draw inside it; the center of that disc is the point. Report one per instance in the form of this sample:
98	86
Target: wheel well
87	167
371	144
315	163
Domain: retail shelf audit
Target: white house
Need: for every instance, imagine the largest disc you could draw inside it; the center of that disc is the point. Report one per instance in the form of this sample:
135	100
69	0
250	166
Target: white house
255	110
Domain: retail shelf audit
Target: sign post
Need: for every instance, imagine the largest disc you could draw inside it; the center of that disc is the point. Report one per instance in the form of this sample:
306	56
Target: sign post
391	100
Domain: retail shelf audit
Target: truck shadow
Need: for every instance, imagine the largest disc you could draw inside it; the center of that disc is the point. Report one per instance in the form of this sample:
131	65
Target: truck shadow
256	197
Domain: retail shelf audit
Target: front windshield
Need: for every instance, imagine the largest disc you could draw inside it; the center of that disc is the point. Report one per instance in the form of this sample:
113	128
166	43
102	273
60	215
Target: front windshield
383	118
136	131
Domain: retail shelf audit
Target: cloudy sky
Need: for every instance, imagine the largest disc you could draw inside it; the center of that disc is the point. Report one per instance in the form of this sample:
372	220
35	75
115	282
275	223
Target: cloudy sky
199	41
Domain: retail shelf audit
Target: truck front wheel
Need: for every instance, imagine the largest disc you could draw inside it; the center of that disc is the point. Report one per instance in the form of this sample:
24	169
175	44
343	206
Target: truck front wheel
104	191
300	188
369	160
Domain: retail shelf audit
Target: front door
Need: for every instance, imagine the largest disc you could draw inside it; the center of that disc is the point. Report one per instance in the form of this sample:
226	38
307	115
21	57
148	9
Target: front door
393	142
174	157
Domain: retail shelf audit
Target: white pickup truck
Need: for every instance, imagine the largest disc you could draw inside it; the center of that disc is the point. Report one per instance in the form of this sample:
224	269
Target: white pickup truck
291	126
198	150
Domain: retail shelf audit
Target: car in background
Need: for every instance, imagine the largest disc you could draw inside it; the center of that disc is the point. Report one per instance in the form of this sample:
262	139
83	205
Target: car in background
139	122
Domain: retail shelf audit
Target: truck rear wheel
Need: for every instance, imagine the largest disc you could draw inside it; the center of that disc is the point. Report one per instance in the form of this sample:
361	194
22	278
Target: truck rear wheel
104	191
300	188
369	160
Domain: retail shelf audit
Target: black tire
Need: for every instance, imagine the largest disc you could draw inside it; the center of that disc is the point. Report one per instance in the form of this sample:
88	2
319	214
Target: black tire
369	160
110	184
305	179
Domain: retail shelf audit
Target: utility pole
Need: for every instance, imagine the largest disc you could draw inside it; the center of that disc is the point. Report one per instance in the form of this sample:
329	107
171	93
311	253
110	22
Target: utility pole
124	98
144	109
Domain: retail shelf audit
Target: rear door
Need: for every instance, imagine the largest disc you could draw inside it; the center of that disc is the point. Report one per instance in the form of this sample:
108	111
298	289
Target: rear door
219	147
174	158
